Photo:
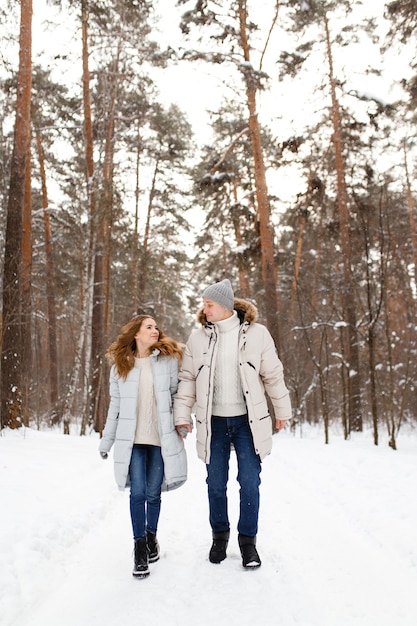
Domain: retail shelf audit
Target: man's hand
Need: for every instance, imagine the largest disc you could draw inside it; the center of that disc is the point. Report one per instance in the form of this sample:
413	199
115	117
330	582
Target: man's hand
280	424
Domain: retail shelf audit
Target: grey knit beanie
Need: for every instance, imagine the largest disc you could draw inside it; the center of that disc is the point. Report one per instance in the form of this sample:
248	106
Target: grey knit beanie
222	293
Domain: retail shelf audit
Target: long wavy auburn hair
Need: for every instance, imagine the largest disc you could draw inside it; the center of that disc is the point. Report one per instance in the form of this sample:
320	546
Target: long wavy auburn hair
122	352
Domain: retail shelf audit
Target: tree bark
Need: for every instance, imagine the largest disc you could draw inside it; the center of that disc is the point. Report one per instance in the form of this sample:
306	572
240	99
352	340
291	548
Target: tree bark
144	260
53	368
297	262
411	214
101	299
26	283
244	287
352	349
12	348
269	271
87	296
135	238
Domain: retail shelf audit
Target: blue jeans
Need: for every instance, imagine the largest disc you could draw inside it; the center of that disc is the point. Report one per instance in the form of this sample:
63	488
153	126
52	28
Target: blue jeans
146	473
224	432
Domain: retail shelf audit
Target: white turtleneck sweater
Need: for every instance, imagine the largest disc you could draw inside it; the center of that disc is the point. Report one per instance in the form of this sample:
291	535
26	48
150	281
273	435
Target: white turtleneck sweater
228	398
146	419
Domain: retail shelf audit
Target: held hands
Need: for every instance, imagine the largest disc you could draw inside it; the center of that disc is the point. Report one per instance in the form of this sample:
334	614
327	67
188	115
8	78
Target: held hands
104	455
183	430
280	424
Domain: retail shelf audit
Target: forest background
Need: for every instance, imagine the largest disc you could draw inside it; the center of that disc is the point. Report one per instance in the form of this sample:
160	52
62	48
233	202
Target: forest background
148	149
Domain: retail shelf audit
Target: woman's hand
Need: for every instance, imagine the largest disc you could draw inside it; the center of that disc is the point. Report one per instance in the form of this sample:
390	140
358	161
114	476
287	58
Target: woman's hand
183	430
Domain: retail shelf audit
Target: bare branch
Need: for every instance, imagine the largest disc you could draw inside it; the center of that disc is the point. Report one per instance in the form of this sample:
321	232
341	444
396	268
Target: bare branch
274	21
228	151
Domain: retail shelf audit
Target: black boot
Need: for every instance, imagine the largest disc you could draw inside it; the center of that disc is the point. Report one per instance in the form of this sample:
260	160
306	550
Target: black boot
153	546
250	556
141	569
218	549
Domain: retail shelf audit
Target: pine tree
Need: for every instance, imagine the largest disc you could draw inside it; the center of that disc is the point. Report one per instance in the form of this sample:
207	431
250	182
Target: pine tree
13	353
229	26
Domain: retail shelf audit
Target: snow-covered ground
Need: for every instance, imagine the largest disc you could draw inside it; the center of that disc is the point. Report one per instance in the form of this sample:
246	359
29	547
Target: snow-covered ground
338	539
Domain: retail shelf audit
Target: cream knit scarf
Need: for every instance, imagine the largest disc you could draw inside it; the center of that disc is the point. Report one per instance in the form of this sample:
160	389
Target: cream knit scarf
228	399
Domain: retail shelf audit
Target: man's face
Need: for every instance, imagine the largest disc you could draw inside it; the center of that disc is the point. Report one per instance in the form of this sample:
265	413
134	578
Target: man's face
214	311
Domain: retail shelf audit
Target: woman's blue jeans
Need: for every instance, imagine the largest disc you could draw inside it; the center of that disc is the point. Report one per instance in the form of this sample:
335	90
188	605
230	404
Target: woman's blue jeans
146	473
224	432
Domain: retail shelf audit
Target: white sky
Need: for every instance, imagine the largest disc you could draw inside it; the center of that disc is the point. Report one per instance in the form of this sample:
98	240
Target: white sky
196	88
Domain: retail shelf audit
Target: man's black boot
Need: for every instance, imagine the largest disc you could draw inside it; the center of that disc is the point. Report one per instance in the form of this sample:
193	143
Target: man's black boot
250	556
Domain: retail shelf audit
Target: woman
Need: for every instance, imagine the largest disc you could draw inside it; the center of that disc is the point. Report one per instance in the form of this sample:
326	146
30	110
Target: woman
149	455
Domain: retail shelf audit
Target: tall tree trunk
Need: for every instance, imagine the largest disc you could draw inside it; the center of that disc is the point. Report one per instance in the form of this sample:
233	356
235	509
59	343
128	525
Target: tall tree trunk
244	287
269	271
352	348
12	349
101	299
393	325
87	298
411	215
84	322
144	261
297	263
27	290
88	124
53	368
135	238
235	215
317	357
373	314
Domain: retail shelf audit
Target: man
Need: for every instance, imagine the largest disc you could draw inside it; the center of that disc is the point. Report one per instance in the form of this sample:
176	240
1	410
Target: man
228	366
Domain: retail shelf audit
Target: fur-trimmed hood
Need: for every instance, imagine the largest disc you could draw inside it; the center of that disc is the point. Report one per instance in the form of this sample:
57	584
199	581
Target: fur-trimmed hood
247	312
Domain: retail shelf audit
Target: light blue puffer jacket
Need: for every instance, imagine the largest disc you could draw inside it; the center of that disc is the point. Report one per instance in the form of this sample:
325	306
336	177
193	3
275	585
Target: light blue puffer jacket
120	425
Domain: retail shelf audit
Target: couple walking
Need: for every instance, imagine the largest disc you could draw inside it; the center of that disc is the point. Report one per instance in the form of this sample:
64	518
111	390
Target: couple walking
227	366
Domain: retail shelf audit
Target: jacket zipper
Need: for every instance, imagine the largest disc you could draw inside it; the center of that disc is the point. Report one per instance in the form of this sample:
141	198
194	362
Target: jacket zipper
212	335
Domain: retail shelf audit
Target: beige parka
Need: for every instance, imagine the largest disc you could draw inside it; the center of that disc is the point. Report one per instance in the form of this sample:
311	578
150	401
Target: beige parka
261	372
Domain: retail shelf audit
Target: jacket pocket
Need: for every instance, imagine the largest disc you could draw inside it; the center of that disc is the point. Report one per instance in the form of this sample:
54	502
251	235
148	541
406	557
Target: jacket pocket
200	414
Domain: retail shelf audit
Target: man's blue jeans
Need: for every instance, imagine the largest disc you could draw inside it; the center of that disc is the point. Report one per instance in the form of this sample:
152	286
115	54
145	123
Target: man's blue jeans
146	473
224	432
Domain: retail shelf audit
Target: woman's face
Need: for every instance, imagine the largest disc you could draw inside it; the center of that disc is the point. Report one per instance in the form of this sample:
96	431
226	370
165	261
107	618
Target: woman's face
148	333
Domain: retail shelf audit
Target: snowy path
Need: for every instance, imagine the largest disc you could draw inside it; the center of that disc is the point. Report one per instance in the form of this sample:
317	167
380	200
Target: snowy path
337	537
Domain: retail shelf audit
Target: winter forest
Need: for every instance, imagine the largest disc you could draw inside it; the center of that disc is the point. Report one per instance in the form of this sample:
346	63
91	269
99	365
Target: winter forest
148	149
